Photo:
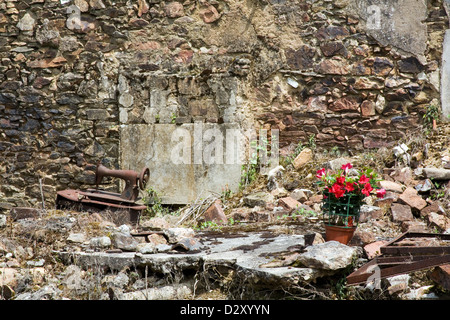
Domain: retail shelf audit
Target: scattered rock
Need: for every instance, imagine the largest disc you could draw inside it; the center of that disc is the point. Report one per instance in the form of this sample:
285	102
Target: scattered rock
441	275
414	226
362	237
155	223
289	204
369	213
400	150
439	221
260	199
215	213
420	293
124	241
373	249
412	199
391	186
300	195
146	248
433	207
8	277
437	173
425	186
330	255
175	292
56	112
398	283
48	292
401	212
187	244
175	235
120	280
76	238
302	158
337	163
100	242
274	177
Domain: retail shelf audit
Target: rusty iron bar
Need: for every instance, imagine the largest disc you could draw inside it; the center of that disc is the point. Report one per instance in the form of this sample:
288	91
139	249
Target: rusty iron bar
392	247
397	266
396	259
76	196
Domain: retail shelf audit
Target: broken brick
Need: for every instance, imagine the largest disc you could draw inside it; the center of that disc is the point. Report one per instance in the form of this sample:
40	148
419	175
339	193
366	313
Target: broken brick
434	207
441	275
438	220
289	203
414	226
215	213
401	212
411	198
373	249
391	186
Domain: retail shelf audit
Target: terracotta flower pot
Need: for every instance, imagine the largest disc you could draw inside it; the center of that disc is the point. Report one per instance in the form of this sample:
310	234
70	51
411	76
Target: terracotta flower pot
338	233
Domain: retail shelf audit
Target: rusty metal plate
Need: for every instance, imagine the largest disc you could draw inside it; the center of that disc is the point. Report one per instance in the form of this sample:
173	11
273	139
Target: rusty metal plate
99	198
81	201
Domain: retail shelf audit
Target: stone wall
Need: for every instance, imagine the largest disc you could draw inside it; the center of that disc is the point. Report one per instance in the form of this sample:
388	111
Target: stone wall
76	73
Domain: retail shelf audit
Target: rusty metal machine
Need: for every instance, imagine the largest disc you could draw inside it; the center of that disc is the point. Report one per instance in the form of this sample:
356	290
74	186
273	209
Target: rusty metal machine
98	200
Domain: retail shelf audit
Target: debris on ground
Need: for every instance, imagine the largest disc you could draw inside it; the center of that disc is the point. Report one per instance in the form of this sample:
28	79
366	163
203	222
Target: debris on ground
264	242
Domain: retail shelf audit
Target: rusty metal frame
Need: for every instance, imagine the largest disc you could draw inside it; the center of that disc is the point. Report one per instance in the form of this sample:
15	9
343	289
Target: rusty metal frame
391	247
97	202
392	266
396	260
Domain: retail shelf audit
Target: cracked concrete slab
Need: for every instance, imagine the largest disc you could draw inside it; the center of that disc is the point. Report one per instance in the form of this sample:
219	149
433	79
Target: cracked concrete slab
247	253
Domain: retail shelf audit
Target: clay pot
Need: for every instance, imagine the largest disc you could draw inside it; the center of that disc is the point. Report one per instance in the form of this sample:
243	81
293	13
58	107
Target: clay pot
338	233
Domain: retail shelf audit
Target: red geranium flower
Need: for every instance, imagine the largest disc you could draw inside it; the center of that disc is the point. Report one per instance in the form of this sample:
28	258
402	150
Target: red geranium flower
337	190
360	184
320	173
363	180
381	193
349	187
367	189
340	181
346	166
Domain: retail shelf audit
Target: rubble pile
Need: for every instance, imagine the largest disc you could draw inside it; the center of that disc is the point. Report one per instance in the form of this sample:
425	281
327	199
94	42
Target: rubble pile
268	238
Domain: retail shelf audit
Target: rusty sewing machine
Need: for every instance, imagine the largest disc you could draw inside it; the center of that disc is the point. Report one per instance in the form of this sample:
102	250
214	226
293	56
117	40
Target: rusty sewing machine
97	200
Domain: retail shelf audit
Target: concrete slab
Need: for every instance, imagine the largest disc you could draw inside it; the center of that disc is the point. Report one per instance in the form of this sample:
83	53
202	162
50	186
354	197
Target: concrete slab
246	252
445	78
186	161
396	23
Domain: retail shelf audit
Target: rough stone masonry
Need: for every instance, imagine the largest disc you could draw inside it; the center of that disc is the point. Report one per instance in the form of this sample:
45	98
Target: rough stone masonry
80	79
